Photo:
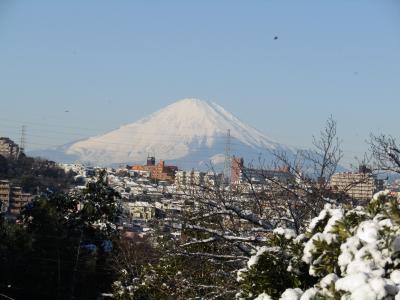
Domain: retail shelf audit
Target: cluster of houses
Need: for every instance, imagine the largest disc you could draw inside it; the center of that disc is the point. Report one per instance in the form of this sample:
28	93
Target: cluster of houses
156	191
8	148
12	199
147	195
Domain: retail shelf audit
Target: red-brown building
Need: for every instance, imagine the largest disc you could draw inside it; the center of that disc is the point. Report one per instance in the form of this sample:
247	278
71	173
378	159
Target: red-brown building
157	171
237	165
240	173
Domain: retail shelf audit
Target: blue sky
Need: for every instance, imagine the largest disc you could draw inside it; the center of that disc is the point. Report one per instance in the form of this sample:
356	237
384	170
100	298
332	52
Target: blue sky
110	63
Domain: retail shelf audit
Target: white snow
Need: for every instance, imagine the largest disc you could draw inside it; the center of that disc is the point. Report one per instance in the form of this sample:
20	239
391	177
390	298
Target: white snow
363	286
287	233
368	231
263	296
309	247
291	294
261	250
351	282
368	257
379	194
239	274
334	215
328	280
309	294
364	258
395	277
321	216
174	132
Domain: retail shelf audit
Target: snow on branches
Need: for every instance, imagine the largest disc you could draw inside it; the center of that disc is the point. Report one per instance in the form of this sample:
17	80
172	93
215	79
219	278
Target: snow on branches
344	254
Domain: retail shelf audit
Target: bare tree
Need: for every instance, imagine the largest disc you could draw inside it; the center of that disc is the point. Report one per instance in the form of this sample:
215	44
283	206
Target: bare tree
312	170
385	153
325	157
223	225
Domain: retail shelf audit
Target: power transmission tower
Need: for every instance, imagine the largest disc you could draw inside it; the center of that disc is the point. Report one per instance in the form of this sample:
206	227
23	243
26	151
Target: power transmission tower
227	165
22	141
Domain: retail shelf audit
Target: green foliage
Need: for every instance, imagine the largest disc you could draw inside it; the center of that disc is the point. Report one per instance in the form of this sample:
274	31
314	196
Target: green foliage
339	244
99	204
271	273
56	251
177	274
34	173
326	252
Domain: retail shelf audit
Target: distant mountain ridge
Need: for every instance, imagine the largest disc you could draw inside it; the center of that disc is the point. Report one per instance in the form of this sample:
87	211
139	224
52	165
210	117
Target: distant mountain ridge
191	133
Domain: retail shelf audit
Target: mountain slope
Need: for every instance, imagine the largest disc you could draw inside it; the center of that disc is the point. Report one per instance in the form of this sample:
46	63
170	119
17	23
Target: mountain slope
189	132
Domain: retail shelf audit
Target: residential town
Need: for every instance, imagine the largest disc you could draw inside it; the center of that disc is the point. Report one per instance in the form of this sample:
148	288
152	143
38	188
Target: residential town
157	191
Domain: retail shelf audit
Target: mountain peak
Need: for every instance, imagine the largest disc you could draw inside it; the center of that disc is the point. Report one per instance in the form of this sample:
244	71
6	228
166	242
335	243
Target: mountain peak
191	101
189	131
188	116
190	106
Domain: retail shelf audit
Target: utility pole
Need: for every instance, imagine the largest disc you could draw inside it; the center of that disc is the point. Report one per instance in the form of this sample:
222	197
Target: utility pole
22	141
78	251
227	164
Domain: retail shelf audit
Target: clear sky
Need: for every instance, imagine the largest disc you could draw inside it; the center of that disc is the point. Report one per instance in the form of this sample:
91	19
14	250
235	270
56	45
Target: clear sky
71	69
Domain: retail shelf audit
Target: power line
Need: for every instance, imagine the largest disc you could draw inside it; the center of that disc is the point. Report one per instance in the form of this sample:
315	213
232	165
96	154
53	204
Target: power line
48	124
220	139
201	151
155	137
146	135
80	135
23	139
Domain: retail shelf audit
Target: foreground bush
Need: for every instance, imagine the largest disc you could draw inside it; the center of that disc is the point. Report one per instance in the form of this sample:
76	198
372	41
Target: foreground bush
344	254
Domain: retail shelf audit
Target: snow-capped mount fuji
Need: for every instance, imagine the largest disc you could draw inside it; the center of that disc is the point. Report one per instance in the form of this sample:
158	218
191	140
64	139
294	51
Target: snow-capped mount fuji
190	132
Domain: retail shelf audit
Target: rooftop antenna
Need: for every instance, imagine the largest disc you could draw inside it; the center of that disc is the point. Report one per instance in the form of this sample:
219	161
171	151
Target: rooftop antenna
227	164
22	141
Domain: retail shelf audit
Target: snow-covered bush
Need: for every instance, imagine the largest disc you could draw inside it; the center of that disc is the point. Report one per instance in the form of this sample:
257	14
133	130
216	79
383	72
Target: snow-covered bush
344	254
275	267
